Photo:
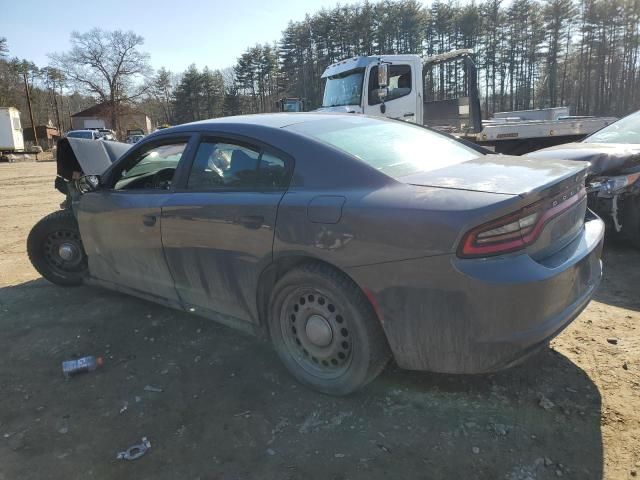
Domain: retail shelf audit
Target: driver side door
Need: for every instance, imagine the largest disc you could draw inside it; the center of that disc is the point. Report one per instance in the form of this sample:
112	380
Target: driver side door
400	102
120	223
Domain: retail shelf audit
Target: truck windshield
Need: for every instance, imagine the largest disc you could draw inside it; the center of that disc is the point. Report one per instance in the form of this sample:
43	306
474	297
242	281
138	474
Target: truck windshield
343	89
625	130
394	148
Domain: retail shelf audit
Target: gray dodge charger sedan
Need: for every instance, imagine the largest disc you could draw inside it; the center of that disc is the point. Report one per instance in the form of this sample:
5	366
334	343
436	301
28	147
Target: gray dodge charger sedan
344	239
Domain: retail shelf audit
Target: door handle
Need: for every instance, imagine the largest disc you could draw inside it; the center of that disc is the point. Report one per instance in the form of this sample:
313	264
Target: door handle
251	221
149	220
409	114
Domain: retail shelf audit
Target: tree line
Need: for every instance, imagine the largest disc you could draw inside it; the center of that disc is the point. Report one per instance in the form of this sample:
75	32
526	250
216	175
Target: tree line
530	54
51	100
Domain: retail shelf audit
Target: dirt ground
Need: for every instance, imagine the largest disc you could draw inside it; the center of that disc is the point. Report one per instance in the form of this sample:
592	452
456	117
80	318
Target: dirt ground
229	410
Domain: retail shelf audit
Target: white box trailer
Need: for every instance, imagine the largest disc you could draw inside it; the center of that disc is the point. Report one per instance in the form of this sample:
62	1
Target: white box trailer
11	139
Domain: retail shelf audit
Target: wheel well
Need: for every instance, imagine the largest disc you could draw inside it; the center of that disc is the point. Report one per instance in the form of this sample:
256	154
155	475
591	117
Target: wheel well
274	272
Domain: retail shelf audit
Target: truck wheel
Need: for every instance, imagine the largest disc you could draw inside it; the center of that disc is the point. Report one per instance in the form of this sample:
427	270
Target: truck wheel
631	221
325	330
55	249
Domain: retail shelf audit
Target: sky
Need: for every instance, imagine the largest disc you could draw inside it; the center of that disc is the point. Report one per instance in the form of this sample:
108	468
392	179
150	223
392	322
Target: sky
176	32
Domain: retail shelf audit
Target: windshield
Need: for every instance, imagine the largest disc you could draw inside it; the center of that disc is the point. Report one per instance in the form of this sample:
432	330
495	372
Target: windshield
344	89
625	130
394	148
80	134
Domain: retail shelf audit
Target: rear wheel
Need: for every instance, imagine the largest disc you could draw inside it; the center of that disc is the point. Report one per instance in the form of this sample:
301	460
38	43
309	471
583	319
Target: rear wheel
325	331
55	249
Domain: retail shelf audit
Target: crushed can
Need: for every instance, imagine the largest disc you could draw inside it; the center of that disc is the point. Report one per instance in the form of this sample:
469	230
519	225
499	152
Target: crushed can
81	365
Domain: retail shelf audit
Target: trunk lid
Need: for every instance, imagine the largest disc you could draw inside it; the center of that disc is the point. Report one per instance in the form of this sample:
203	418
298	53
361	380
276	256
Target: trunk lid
528	177
544	186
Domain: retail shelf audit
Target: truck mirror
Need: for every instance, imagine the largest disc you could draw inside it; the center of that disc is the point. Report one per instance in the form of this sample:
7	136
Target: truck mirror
383	75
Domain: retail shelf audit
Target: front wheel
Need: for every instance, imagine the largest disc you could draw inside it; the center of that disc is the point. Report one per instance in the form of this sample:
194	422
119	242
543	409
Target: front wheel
325	330
55	249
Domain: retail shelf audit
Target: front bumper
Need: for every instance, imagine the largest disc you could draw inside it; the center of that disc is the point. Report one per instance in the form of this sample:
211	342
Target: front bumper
447	314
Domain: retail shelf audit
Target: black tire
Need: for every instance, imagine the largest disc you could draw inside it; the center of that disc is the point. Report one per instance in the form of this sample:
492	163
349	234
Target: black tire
631	221
55	231
326	331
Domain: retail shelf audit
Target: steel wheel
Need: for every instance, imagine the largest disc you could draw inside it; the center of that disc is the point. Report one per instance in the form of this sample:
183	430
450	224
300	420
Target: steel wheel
55	249
63	251
316	333
325	330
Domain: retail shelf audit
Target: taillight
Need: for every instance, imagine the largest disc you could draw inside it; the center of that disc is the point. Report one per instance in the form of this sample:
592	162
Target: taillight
517	230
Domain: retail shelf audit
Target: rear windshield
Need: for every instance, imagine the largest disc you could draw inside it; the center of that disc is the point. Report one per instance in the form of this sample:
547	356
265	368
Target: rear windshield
80	134
394	148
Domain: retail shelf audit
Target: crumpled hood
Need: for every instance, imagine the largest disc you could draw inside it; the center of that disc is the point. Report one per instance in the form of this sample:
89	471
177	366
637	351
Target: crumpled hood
93	156
605	158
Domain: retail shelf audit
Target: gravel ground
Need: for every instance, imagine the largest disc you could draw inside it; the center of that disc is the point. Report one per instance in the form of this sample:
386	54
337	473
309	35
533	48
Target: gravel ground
229	410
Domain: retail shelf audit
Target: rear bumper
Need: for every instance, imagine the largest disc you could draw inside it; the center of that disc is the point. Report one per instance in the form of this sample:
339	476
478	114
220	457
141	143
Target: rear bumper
453	315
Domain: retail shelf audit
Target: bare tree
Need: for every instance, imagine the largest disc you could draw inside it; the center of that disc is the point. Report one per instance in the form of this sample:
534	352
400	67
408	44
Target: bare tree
106	64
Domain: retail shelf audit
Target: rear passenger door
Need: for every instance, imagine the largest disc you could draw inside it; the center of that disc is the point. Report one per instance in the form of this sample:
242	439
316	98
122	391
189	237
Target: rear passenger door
218	227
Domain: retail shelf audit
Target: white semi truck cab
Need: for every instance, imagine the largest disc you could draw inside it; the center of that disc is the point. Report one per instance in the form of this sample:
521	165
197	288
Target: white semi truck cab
393	86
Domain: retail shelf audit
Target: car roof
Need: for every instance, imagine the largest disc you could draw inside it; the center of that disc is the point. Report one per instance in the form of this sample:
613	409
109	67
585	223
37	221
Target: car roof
273	120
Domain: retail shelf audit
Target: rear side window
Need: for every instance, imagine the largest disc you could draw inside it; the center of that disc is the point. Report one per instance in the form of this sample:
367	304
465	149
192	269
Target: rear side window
225	166
392	147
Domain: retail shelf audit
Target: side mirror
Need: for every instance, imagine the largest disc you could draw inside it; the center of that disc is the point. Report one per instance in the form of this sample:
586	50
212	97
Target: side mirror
89	183
383	75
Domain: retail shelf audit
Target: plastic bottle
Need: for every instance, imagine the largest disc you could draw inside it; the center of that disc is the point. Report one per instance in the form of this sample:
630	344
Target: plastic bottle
80	365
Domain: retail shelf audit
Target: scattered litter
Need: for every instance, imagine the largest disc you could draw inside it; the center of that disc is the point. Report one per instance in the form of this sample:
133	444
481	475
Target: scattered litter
500	429
545	403
138	399
571	390
547	462
383	448
271	451
612	340
151	388
80	365
476	450
246	413
339	455
125	407
135	451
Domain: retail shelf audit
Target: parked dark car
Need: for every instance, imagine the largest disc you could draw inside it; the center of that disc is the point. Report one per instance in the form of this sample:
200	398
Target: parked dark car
344	239
613	181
